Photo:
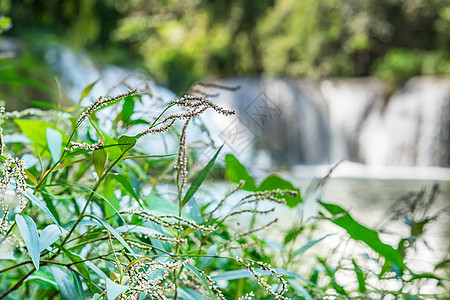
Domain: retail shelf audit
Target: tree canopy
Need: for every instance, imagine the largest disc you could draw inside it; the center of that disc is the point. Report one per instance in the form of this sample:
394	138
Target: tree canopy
179	42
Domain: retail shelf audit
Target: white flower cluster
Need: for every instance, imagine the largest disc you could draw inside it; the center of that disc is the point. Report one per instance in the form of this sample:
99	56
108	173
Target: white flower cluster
12	169
85	146
100	102
160	220
261	282
140	280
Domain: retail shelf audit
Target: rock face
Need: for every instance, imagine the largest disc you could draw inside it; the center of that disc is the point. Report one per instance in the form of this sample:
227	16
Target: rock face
315	122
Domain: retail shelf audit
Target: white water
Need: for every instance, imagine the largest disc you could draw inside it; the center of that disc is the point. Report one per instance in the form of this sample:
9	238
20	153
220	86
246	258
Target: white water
323	122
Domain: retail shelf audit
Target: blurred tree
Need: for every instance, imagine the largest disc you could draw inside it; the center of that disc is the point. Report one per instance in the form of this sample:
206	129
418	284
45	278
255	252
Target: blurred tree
179	42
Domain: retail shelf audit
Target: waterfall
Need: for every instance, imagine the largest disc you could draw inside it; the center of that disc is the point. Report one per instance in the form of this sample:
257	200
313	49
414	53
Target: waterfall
308	122
326	121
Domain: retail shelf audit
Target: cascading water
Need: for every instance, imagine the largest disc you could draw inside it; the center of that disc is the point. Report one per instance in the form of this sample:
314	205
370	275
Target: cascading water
304	121
319	122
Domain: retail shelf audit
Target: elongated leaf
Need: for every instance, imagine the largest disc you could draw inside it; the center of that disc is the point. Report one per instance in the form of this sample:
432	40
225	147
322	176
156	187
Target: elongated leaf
205	261
49	235
113	232
309	245
189	294
54	142
127	108
28	231
236	172
113	290
36	201
360	277
78	286
40	278
301	291
202	278
99	158
87	90
81	266
361	233
199	179
31	177
127	185
244	273
138	229
96	269
65	285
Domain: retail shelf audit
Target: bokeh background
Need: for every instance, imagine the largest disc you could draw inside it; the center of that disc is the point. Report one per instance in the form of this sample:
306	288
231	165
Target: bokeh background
367	82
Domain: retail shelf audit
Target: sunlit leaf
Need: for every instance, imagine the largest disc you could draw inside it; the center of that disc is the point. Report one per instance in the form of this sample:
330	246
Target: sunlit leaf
48	236
28	231
113	290
361	233
54	142
87	90
236	172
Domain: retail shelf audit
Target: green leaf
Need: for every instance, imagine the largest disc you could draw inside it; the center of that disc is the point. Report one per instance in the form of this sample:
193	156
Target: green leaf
189	294
40	278
301	291
96	269
87	90
236	172
361	233
199	179
308	245
54	142
244	273
126	142
99	158
360	277
66	287
36	201
36	131
78	286
49	235
113	290
273	182
127	109
81	266
202	278
127	185
28	231
113	232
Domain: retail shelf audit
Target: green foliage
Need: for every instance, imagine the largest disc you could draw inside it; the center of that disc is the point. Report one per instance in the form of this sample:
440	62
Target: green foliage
107	221
180	42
